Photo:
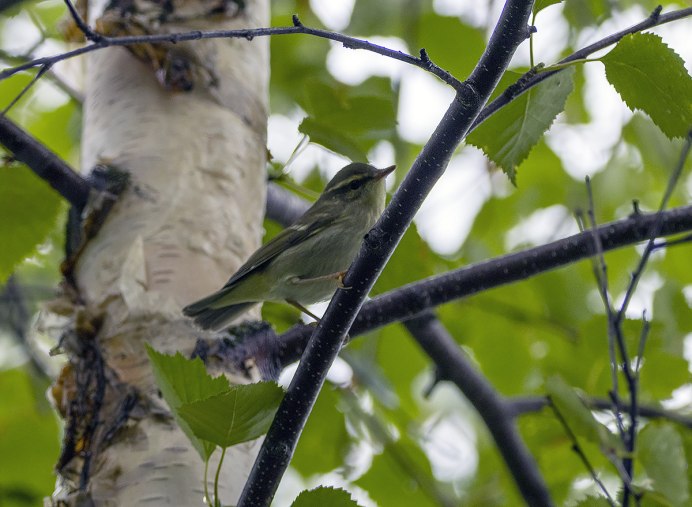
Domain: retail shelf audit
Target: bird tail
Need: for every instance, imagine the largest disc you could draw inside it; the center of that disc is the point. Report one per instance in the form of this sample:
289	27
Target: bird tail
207	317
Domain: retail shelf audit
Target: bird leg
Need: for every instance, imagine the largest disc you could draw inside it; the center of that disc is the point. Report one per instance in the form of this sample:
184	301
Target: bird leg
302	309
338	276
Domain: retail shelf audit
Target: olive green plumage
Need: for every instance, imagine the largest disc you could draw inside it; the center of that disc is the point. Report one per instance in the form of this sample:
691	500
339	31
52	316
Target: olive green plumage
302	264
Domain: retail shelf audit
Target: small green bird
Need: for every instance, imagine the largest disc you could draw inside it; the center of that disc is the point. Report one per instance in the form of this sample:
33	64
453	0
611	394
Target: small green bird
306	262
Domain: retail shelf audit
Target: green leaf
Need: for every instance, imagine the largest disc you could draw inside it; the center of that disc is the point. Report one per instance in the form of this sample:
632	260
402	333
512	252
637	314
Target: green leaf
542	4
450	43
349	119
323	496
392	479
333	139
324	442
650	76
583	13
578	416
28	211
183	381
243	413
508	136
660	450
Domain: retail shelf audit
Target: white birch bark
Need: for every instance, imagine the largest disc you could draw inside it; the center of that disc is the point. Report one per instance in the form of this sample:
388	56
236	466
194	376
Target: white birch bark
191	215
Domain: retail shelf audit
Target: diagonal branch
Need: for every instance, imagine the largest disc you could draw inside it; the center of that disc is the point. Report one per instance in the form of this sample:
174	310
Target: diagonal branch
277	449
46	164
453	365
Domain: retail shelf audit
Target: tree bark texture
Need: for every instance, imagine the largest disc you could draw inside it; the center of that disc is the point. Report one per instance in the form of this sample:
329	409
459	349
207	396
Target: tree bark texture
187	122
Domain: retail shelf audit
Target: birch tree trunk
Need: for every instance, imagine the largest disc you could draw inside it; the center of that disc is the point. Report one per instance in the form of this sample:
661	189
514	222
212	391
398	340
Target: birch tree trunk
190	215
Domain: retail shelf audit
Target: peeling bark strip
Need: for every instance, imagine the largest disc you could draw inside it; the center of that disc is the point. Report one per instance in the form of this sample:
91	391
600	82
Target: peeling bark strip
187	124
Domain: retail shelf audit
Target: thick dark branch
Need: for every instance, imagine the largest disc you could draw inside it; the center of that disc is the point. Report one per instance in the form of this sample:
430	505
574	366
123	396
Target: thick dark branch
528	404
453	365
531	78
408	301
100	42
46	164
284	207
278	447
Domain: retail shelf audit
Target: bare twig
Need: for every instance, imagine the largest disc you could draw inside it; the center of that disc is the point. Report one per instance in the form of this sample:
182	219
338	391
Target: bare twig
582	456
422	62
521	405
51	75
26	88
81	24
616	342
632	377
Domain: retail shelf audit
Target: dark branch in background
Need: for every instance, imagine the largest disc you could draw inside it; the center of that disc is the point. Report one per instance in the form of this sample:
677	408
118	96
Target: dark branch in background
284	207
422	62
413	299
7	4
521	405
15	317
532	78
280	442
453	365
46	164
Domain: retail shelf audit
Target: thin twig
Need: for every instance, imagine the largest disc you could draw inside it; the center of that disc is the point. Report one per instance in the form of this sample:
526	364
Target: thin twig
633	377
521	405
51	75
582	456
247	33
81	24
26	88
616	342
646	328
687	238
600	270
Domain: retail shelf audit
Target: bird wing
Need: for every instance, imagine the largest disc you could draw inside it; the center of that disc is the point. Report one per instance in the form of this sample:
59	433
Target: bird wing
308	225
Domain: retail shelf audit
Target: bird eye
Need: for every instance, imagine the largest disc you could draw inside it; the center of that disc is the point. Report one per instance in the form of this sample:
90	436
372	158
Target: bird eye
355	184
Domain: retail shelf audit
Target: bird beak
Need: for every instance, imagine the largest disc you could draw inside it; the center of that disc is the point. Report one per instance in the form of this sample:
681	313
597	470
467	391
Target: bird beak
382	173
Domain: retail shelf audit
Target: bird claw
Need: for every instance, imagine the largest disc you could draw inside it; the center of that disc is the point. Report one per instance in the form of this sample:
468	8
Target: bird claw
340	280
